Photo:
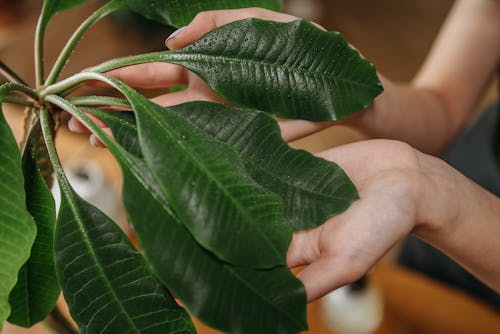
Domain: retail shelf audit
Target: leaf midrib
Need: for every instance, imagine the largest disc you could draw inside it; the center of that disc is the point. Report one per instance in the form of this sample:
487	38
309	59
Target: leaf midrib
173	56
89	244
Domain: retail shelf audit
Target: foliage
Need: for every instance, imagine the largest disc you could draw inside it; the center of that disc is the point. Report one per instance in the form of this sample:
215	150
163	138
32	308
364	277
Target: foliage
212	192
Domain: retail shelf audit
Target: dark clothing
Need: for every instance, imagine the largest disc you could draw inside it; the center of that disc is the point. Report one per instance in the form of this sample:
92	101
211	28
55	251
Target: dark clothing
476	154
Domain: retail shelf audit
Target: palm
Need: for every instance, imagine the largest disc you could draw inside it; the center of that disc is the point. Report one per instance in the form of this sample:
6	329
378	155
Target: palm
344	248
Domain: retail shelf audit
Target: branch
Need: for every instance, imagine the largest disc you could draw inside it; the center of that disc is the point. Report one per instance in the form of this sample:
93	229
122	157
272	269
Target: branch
75	38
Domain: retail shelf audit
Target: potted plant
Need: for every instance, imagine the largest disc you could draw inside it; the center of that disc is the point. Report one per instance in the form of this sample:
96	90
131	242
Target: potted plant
212	192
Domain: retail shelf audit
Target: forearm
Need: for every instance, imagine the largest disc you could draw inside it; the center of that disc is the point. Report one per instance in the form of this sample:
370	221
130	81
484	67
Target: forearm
460	218
417	116
431	110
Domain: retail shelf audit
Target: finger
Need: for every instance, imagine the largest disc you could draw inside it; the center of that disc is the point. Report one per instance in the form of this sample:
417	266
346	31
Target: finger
94	141
173	99
304	248
321	277
149	75
207	21
74	125
187	95
292	129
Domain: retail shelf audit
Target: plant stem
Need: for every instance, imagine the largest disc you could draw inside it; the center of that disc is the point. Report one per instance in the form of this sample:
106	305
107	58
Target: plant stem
39	43
75	38
18	100
60	323
99	101
20	88
45	121
80	115
132	60
10	75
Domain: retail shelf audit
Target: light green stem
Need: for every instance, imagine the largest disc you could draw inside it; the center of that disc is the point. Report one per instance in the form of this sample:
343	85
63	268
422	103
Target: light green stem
71	82
75	38
99	101
20	88
132	60
39	42
78	79
51	149
81	116
18	100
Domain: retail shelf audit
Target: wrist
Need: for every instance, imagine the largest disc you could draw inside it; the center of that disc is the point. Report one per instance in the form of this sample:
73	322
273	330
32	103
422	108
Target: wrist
440	197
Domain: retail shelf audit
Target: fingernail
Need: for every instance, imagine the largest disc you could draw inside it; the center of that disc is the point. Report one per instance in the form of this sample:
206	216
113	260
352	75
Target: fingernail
71	124
94	141
175	34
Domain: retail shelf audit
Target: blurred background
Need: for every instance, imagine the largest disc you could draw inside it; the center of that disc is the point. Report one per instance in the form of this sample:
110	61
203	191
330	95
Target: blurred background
400	295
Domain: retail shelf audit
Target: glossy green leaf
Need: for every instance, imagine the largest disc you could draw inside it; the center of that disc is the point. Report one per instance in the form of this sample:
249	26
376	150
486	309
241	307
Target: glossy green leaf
17	227
206	183
312	188
229	298
291	70
179	13
105	280
37	288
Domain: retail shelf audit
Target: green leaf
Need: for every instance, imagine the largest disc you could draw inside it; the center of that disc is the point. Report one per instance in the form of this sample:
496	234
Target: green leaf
179	13
312	188
105	280
291	70
206	183
37	288
17	227
229	298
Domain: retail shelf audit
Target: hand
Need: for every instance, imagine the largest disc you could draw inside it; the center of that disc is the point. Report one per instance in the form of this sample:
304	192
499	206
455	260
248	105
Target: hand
345	247
401	191
162	75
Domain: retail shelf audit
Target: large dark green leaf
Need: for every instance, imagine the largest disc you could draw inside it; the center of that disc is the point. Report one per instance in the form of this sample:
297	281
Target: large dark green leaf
230	298
179	13
17	227
37	288
313	189
291	70
206	183
105	280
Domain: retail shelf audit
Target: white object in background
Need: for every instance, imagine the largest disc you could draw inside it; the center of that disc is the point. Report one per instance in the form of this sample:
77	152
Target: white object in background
89	182
349	310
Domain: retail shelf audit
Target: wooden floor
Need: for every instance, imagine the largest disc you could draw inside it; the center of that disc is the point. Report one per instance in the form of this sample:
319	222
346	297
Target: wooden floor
394	34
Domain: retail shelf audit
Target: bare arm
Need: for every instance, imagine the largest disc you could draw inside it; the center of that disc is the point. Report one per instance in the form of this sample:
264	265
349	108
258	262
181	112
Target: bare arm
431	110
